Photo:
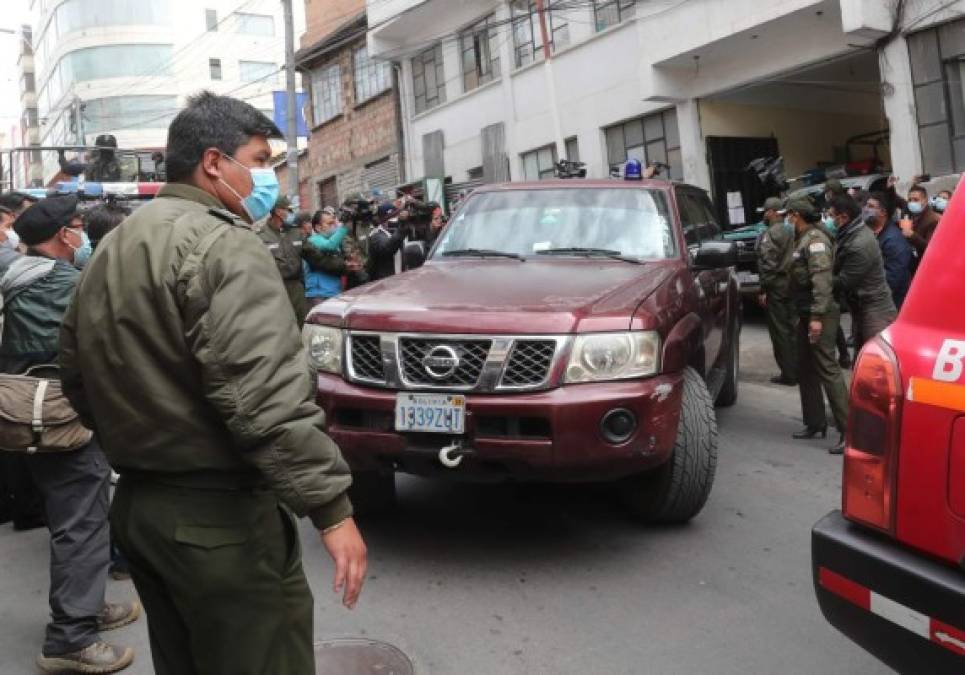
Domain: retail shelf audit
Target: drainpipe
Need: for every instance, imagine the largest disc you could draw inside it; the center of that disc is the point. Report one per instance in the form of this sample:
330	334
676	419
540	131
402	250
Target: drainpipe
550	81
401	120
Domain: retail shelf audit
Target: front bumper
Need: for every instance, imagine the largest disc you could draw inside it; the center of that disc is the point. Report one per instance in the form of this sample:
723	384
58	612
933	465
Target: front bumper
904	608
546	435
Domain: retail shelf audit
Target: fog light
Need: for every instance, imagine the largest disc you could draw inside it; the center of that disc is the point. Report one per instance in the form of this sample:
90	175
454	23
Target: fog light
618	425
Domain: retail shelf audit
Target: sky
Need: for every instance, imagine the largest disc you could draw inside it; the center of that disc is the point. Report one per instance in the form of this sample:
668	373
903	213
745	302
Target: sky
15	13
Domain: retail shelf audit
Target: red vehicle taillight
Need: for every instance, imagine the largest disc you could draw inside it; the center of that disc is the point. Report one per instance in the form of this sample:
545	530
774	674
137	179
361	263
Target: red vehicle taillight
871	455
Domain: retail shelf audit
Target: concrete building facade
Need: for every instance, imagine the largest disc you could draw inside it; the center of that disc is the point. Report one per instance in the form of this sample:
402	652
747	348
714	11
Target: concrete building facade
353	112
702	85
125	68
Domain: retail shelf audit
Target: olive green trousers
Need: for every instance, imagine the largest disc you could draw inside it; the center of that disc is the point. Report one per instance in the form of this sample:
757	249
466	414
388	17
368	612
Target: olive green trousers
818	370
220	576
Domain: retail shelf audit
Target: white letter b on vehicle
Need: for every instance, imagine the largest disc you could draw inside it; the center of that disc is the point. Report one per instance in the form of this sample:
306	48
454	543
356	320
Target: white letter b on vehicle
948	363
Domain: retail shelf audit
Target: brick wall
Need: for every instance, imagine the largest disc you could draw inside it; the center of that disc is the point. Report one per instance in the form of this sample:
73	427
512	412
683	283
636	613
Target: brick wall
363	133
324	16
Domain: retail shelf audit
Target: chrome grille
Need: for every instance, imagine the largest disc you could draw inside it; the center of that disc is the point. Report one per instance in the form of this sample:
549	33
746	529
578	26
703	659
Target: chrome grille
529	363
472	356
367	358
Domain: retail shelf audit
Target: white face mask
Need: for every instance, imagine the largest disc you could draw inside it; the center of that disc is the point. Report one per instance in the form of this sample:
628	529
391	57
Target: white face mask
13	239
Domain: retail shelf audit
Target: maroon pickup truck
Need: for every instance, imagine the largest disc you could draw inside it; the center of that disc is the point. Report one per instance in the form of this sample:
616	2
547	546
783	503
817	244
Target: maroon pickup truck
559	331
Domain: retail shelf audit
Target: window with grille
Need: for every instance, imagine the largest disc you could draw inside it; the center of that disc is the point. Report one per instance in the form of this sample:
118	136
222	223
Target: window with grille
540	164
652	138
572	149
608	13
938	73
214	69
326	93
428	79
479	54
527	38
371	77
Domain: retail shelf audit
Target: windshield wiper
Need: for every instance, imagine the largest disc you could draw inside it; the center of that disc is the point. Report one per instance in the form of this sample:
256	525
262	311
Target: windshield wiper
590	253
481	253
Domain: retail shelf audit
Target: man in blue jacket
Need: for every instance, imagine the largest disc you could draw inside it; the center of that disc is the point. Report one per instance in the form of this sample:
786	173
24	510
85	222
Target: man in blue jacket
896	252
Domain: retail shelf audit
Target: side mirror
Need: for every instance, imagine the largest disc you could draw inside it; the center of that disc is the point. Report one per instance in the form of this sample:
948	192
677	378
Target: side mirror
413	255
715	255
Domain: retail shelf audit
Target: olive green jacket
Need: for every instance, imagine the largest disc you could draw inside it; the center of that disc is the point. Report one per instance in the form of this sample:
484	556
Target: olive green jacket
773	255
810	273
281	245
180	348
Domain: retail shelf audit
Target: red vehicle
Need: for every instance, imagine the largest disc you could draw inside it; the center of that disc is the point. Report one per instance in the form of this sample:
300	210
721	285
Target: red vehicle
889	568
561	331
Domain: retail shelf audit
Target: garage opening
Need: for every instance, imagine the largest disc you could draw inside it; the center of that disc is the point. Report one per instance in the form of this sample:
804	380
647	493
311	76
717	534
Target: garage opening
826	121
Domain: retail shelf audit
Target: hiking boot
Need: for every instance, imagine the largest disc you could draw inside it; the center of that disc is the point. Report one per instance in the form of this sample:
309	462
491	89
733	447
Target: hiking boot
117	615
97	658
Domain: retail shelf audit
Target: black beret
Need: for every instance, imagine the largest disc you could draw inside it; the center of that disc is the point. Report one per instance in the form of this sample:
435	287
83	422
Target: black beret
44	219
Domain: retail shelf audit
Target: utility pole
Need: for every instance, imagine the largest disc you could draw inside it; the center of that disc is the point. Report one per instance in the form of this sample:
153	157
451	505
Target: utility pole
81	136
291	133
550	80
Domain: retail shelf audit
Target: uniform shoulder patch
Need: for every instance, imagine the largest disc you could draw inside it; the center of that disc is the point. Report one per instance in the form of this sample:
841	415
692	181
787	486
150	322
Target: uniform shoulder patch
817	247
228	217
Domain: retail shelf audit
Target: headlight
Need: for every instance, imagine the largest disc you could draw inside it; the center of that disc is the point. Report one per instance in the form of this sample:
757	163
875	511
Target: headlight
599	357
324	346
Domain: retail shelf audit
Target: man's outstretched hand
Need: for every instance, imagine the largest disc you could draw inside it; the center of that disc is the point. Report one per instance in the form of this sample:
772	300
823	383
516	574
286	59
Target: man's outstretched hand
344	543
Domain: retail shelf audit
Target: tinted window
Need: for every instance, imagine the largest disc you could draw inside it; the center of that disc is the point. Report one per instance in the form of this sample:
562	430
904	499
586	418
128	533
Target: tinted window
690	217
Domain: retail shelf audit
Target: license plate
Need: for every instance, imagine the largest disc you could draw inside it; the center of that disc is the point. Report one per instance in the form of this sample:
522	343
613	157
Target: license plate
434	413
748	278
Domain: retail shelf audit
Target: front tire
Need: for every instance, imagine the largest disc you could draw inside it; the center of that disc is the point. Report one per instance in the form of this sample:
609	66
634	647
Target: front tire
728	392
678	490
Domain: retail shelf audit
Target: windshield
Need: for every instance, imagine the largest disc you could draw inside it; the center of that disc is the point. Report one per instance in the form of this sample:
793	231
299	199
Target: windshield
630	223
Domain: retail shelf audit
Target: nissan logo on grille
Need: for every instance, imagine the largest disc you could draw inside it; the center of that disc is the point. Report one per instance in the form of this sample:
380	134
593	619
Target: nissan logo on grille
441	362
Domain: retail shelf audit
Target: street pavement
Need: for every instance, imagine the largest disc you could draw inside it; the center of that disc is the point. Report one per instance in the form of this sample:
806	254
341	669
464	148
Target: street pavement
492	580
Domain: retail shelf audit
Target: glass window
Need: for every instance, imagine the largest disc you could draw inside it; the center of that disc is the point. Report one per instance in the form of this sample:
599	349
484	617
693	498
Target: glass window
326	93
572	149
79	14
608	13
938	69
211	19
371	77
126	112
540	164
480	54
214	69
650	139
255	71
428	79
527	37
96	63
635	222
256	24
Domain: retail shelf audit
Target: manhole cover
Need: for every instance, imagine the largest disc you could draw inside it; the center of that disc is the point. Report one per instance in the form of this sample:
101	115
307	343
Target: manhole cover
355	656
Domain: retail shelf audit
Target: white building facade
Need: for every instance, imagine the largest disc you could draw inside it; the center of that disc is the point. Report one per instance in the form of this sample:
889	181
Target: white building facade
129	66
701	85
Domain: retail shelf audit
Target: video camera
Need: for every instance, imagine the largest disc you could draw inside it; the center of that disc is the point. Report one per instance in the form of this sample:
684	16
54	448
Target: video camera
357	209
566	168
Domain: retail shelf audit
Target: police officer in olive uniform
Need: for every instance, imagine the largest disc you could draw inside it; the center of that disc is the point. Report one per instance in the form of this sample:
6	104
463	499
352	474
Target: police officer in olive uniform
193	372
284	243
810	276
773	255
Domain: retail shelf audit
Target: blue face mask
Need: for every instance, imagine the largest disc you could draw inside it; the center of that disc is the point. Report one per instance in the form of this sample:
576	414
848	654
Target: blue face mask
290	219
83	253
830	224
939	204
264	191
916	207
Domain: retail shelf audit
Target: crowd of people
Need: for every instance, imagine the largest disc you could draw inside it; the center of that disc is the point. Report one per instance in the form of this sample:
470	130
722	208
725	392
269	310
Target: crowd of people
320	255
858	254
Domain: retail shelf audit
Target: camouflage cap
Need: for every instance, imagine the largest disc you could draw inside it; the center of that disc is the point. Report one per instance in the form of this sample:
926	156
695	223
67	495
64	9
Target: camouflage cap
801	205
282	203
834	186
772	204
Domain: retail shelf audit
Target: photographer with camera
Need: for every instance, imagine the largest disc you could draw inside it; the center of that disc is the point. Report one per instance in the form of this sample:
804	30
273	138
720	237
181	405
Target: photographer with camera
383	243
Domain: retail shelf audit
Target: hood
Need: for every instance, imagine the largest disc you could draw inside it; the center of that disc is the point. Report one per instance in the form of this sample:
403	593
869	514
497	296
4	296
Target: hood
745	232
537	296
24	271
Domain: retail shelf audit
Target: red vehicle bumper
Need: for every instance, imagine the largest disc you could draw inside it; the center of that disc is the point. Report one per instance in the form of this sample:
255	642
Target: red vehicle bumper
547	435
903	607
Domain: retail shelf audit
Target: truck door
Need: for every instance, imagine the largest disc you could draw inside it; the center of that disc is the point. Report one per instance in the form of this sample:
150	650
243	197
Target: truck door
698	225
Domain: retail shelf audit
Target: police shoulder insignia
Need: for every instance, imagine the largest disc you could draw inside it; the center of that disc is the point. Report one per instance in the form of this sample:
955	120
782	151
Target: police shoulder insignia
817	247
227	216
